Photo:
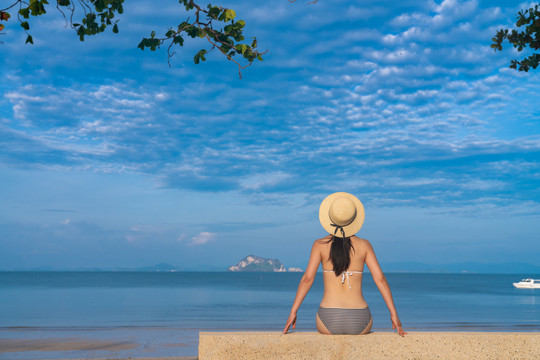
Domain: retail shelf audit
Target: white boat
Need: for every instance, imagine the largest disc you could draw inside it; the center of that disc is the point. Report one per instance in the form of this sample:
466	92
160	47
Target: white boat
528	284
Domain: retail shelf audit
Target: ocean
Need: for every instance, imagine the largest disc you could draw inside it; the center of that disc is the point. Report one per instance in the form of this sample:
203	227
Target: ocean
164	311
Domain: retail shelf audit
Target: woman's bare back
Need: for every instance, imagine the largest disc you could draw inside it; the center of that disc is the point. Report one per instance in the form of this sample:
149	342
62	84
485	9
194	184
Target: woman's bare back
345	290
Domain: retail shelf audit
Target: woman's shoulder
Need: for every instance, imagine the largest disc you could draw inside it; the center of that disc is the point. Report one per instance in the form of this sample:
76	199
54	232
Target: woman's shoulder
322	241
359	241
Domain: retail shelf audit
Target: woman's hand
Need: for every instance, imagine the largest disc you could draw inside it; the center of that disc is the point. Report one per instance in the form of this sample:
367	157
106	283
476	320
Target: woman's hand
396	325
290	321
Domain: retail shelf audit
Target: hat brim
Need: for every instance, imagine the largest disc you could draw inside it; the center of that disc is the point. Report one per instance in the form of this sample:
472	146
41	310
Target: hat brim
350	229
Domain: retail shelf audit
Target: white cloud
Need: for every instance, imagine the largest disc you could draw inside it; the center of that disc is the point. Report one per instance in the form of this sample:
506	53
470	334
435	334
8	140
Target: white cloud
390	39
407	92
484	185
260	181
162	96
181	237
202	238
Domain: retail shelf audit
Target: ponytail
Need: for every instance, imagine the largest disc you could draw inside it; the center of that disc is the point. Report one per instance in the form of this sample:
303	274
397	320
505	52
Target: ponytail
340	253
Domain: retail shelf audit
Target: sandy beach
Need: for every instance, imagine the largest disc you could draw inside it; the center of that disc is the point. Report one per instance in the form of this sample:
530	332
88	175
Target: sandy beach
378	345
298	345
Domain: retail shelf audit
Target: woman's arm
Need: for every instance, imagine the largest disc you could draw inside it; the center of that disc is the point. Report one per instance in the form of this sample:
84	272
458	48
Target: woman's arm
305	284
384	288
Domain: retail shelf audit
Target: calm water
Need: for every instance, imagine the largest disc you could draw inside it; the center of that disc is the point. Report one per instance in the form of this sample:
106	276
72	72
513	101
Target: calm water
182	303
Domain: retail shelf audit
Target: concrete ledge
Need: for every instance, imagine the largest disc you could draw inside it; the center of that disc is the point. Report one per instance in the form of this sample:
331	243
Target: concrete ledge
374	346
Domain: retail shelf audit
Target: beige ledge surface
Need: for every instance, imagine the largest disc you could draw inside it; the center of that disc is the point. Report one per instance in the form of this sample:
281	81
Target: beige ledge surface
377	345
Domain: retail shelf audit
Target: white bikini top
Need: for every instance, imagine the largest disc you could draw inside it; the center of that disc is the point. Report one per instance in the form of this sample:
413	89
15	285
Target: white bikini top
345	275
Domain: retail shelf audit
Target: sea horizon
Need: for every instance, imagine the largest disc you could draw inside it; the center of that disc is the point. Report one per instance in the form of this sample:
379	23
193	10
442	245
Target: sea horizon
510	267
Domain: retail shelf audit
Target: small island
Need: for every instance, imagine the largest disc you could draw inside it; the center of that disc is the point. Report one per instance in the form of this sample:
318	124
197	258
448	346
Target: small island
257	263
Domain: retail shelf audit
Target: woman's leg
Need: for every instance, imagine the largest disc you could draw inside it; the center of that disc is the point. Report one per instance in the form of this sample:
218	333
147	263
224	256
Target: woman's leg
321	328
368	327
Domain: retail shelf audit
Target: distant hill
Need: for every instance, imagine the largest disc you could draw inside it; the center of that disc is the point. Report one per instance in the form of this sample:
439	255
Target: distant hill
158	267
257	263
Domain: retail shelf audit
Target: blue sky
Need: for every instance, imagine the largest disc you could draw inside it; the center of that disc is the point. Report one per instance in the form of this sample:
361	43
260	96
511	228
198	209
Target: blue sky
109	158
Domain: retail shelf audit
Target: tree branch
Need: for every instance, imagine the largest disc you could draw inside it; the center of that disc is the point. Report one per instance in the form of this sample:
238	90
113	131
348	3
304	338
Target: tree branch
228	40
97	16
529	38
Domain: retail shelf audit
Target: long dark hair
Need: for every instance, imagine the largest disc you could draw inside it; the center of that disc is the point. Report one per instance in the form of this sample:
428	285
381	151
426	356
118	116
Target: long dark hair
340	253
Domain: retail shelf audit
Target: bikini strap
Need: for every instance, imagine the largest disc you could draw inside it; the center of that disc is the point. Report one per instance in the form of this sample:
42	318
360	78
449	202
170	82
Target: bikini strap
345	275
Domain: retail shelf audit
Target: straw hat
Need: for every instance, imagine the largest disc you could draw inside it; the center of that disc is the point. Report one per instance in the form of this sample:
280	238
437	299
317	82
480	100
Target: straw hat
341	210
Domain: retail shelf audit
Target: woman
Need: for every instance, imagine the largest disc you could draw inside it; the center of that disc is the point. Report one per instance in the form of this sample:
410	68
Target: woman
343	309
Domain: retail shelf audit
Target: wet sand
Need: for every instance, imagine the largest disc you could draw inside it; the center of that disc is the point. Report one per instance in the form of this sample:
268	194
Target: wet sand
85	349
52	344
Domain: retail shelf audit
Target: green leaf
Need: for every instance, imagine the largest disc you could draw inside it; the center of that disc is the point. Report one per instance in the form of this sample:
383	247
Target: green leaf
241	48
230	14
29	40
199	56
100	5
151	43
183	26
154	43
81	31
192	31
115	29
24	12
153	34
213	12
63	2
25	25
178	40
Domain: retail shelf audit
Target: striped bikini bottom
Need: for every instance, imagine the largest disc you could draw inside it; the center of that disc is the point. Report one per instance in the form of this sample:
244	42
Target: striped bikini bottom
345	321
